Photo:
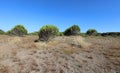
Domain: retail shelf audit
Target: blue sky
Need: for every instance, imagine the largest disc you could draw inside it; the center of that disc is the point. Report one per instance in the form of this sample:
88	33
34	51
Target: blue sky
102	15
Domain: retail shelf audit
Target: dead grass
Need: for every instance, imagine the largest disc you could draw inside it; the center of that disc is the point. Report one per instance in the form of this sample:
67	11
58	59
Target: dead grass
73	54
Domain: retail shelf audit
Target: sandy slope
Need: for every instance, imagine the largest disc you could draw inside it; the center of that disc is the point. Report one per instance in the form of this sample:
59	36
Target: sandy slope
60	55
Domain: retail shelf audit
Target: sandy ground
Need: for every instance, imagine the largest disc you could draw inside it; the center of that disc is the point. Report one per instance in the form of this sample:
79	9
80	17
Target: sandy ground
73	54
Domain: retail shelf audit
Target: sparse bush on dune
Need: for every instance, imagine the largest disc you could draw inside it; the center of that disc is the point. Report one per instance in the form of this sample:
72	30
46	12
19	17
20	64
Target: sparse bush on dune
47	32
18	30
2	32
92	32
73	30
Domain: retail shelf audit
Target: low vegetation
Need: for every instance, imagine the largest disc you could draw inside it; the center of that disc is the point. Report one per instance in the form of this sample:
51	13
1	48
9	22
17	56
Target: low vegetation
110	34
47	32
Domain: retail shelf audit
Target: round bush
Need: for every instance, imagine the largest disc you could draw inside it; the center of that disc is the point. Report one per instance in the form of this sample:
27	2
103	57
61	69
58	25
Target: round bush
18	30
73	30
91	32
47	32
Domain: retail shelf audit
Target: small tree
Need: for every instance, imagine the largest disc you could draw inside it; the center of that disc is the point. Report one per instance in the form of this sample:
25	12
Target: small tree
73	30
91	32
47	32
18	30
2	32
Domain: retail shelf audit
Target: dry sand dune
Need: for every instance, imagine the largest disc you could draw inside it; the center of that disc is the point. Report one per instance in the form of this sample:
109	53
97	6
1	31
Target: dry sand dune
73	54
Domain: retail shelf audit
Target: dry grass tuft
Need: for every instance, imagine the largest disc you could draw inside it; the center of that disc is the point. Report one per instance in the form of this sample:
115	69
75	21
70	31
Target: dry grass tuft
80	41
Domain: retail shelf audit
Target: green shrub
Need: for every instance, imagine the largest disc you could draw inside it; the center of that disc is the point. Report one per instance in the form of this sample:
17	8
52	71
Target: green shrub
47	32
91	32
2	32
18	30
73	30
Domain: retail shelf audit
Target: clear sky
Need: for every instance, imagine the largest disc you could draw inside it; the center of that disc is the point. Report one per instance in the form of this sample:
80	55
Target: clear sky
102	15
